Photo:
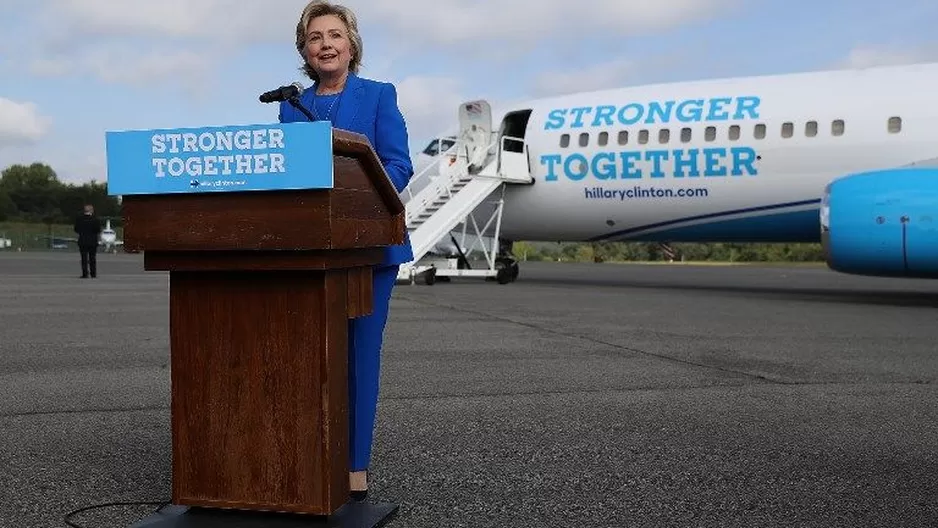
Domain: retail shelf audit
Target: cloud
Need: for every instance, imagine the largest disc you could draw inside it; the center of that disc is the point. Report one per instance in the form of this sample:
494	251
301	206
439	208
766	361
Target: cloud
229	21
596	77
210	29
21	123
439	21
485	21
868	57
73	162
122	66
147	43
82	167
430	104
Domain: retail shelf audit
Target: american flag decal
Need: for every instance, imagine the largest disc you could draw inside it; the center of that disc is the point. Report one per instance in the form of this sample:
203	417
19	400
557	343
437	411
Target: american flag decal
474	108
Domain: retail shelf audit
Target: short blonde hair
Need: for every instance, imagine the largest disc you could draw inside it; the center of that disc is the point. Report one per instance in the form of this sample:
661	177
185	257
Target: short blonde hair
318	8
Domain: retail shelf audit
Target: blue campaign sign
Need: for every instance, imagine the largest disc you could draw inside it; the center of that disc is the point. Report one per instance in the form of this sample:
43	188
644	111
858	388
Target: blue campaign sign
265	157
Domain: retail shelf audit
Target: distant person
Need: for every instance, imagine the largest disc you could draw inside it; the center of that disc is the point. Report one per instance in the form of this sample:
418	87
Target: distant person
330	47
88	228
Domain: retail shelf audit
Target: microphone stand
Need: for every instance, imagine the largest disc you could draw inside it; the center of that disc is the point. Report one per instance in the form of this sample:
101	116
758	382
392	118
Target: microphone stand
295	101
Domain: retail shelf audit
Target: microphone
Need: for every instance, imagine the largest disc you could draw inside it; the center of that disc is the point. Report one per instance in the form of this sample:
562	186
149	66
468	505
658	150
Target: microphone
284	93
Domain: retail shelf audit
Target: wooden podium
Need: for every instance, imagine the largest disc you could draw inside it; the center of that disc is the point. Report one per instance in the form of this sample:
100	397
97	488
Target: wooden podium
262	286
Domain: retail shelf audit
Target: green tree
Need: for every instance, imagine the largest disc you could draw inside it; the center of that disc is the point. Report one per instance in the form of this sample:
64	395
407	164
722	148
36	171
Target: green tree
34	189
33	193
8	210
524	251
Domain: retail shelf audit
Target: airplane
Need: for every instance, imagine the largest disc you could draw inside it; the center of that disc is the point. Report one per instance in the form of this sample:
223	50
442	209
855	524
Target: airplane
846	158
109	238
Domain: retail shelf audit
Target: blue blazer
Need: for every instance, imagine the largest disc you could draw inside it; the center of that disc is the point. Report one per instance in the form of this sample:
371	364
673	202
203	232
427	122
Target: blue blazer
370	108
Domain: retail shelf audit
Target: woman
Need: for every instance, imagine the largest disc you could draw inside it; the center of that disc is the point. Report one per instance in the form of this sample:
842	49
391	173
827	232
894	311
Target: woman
327	39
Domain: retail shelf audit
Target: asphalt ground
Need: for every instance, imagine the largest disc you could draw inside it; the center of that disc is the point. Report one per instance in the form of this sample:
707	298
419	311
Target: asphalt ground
582	395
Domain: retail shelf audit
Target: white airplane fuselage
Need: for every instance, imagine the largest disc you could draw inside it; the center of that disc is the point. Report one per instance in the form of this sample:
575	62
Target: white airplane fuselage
108	238
740	159
848	158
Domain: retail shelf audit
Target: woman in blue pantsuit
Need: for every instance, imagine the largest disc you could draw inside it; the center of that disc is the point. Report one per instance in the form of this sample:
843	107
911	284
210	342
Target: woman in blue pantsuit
327	39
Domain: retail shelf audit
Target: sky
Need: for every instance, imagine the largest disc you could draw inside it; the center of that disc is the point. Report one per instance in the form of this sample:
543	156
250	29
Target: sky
71	70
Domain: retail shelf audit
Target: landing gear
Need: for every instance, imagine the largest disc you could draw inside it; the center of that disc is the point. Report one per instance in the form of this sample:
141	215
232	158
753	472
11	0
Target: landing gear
506	260
506	266
507	270
429	277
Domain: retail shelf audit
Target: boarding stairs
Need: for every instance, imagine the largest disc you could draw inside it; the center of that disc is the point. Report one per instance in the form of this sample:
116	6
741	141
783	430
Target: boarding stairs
449	194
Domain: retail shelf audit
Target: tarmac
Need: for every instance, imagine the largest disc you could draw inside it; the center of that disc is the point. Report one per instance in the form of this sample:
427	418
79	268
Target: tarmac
589	395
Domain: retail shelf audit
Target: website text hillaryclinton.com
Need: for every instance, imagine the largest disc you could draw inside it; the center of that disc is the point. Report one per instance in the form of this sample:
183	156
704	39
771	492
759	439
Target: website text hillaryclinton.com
603	193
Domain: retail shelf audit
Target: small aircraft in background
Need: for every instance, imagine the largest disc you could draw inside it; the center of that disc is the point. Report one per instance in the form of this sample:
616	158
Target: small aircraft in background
109	239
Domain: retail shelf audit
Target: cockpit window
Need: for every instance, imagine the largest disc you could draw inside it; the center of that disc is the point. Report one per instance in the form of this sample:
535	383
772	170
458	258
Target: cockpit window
438	146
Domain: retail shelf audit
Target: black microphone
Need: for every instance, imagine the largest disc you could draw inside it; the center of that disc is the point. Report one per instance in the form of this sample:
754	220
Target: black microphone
283	93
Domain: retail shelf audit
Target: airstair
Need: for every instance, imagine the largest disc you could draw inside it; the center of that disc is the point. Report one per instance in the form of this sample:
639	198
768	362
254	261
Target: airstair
468	180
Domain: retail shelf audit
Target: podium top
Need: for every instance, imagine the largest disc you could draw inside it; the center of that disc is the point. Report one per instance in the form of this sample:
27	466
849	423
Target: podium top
333	192
356	146
232	158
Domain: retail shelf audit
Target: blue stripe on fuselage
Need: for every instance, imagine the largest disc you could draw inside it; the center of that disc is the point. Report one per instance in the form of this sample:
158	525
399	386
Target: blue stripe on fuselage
787	226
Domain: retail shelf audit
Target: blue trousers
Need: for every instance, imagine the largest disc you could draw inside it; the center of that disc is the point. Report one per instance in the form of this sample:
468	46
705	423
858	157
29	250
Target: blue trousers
366	335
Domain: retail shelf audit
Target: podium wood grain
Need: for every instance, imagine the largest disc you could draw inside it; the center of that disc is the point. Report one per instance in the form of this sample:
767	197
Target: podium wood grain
262	285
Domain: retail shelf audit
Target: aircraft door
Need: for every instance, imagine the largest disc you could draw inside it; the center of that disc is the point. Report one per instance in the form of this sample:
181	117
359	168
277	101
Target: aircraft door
514	127
513	156
475	132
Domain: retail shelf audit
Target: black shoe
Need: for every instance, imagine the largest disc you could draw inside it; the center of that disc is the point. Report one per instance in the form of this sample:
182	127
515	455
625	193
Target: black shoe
359	495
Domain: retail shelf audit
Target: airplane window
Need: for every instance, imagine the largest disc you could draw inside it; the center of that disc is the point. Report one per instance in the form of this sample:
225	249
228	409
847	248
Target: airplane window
623	137
810	128
685	134
438	146
664	135
759	132
584	139
643	136
603	138
837	127
788	130
711	133
565	141
734	132
432	149
895	125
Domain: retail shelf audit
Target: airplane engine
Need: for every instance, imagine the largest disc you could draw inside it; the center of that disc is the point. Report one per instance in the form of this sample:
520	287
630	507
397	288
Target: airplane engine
882	223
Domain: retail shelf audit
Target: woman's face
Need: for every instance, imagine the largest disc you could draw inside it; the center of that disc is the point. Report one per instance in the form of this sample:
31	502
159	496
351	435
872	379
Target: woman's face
328	48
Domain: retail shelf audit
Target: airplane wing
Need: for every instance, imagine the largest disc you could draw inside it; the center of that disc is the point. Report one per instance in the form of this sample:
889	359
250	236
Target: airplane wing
74	240
57	238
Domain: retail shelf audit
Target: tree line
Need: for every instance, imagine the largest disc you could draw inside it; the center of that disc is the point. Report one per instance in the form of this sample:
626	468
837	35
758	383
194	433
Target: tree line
34	194
675	252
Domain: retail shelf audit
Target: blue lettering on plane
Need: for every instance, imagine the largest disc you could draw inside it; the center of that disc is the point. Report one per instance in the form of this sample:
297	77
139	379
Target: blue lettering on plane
655	112
712	162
